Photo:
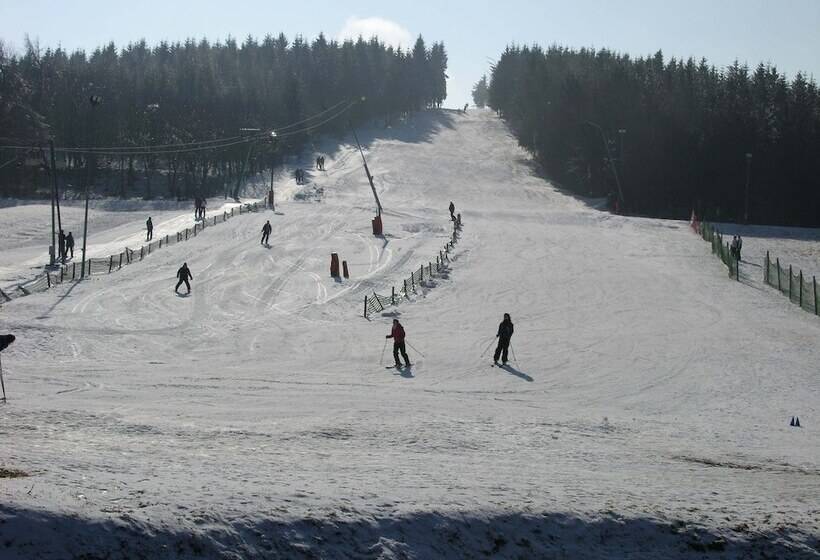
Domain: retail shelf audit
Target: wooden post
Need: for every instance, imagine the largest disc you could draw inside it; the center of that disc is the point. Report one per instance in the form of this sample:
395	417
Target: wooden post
790	282
110	263
405	288
48	279
73	271
120	266
393	295
142	252
778	276
814	291
365	306
801	288
766	270
421	273
62	273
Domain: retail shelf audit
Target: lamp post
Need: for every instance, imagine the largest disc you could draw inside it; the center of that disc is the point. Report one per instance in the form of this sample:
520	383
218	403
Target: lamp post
94	101
748	180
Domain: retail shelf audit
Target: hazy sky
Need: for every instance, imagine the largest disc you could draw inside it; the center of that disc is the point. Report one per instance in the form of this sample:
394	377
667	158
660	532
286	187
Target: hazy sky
785	32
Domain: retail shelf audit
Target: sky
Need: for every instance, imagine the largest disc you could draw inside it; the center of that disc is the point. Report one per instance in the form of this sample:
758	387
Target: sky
474	33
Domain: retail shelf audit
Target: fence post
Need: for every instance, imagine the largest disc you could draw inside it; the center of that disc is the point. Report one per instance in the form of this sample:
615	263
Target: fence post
429	269
790	282
737	269
778	276
405	288
48	279
365	306
421	273
142	252
393	295
186	234
110	263
814	291
801	288
73	271
413	282
766	270
120	266
62	272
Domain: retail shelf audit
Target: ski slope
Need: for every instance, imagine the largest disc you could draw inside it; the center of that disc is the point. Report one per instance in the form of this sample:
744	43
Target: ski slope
645	416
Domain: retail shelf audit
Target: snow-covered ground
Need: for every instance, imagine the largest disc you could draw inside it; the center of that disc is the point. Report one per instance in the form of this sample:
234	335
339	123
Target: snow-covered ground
645	416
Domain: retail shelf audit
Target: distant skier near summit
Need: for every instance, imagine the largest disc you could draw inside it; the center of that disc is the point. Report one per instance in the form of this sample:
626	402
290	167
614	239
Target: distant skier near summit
505	332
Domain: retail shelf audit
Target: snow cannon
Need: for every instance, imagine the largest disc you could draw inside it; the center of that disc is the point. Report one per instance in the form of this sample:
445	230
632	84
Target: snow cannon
377	225
334	265
344	269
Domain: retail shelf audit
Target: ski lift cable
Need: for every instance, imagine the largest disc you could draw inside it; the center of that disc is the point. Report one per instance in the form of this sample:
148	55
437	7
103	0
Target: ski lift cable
203	144
241	140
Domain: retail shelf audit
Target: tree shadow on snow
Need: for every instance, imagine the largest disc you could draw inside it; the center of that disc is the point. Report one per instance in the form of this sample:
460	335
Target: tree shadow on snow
350	534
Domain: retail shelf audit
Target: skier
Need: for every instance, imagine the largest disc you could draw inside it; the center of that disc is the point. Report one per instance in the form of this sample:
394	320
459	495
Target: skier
452	211
318	159
69	245
197	204
149	226
266	229
61	245
184	273
505	332
202	205
397	334
322	163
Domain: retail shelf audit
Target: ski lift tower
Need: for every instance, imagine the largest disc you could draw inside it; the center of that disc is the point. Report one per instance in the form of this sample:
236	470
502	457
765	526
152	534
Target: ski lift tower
377	221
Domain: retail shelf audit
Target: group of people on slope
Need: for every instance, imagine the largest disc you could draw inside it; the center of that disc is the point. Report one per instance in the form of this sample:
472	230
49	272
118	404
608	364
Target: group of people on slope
65	245
504	336
199	208
320	163
736	246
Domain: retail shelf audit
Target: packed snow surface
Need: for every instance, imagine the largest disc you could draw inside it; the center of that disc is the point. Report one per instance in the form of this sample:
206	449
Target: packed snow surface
645	413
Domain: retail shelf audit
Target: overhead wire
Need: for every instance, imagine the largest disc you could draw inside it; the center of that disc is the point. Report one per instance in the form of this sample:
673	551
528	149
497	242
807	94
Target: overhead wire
204	145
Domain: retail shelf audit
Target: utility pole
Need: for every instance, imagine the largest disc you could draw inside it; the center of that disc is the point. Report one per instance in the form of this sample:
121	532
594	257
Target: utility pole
56	187
94	100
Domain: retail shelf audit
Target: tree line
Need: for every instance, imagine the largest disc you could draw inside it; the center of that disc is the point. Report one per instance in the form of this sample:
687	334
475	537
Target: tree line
139	98
663	137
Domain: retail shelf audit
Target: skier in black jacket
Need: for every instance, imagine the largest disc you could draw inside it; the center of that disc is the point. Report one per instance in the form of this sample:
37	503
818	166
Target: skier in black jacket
505	332
184	273
266	229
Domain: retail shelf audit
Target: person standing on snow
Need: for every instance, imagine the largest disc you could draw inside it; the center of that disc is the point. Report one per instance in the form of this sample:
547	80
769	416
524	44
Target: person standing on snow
149	226
184	274
61	245
69	245
452	211
505	332
397	334
739	246
266	229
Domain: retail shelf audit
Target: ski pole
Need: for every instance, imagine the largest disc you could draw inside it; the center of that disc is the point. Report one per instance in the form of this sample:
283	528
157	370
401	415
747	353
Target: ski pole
490	345
381	360
2	384
414	348
513	353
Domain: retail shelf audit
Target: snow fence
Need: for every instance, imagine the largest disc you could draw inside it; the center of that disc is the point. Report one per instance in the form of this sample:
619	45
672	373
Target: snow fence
107	265
797	287
722	250
417	279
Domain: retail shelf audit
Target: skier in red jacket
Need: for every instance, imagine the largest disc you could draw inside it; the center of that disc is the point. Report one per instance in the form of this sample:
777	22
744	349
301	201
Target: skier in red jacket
397	334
